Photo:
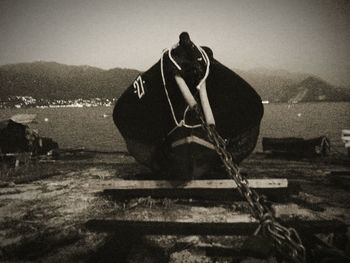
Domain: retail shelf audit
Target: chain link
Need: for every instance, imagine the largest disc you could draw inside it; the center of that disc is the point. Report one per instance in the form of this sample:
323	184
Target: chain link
287	240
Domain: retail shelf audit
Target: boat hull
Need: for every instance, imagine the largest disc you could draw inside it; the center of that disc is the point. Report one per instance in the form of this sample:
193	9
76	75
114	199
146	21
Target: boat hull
297	147
188	154
151	113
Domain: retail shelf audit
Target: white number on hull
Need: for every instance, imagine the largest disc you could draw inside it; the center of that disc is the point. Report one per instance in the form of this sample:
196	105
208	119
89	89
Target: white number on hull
138	86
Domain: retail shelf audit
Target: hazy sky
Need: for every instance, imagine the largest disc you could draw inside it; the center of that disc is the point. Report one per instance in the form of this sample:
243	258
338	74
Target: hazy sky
297	35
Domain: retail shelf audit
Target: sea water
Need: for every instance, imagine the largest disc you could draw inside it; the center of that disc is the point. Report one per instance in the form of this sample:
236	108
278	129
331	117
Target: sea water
93	127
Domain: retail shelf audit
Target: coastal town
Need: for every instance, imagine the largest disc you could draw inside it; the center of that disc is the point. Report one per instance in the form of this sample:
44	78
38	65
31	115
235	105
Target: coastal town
30	102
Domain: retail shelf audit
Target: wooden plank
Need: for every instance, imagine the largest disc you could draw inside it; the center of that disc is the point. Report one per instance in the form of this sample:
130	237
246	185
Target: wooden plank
339	172
342	181
194	184
275	189
242	226
275	195
340	177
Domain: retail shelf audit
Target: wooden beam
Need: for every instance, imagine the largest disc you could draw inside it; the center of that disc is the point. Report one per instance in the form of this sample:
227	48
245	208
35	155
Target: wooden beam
342	181
242	226
275	189
340	172
194	184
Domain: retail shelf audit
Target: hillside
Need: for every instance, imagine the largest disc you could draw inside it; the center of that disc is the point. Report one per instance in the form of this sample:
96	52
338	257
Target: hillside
52	81
269	82
284	86
313	89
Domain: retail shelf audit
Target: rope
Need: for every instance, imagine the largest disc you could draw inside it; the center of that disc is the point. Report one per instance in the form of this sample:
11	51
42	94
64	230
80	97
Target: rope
171	57
178	124
182	122
207	61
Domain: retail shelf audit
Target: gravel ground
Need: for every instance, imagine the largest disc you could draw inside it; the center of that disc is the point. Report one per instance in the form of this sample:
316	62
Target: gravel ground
42	218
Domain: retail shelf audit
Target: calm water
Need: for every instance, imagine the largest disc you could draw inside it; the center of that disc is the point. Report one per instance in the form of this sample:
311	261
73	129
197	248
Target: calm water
307	120
92	129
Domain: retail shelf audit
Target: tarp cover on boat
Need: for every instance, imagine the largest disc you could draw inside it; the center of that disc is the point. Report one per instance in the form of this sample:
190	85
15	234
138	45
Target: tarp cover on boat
16	137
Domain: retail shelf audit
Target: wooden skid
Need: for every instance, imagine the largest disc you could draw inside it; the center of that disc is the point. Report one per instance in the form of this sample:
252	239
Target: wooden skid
197	189
341	180
240	227
340	172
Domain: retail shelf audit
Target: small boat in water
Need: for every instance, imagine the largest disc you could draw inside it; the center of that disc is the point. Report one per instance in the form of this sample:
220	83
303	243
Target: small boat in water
297	147
161	130
24	118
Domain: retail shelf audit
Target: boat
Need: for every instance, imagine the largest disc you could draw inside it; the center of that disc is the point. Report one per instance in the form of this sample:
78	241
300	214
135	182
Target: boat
19	138
297	147
155	113
13	137
24	118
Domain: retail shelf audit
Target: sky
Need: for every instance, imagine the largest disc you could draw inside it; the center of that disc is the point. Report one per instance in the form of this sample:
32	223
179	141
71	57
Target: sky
310	36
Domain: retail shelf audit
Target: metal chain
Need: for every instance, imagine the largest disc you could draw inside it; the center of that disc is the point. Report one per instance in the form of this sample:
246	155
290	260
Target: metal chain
287	239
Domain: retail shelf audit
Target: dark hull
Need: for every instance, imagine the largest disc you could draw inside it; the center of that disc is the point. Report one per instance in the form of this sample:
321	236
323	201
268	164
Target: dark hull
189	154
13	137
235	105
297	147
145	120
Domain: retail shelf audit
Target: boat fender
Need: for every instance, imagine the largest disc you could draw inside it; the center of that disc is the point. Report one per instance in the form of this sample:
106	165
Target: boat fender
208	113
186	93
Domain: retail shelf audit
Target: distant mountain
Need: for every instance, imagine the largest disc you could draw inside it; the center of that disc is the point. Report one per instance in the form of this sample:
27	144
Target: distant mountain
277	73
285	86
313	89
51	80
267	82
